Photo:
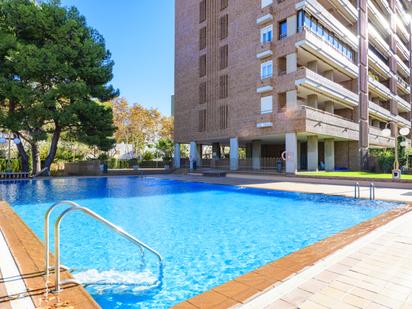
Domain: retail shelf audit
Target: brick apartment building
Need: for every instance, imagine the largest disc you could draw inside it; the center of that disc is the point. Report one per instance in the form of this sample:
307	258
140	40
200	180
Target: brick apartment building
312	81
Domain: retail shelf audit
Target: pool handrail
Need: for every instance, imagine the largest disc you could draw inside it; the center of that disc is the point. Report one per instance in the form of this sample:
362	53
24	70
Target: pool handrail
47	231
113	227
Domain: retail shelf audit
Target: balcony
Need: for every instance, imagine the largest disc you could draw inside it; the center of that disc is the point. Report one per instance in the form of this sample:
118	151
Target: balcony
377	139
403	104
320	122
379	18
403	14
378	64
384	3
401	47
379	111
379	88
402	66
320	47
264	50
319	84
347	9
403	121
264	19
401	28
315	9
378	40
264	85
402	85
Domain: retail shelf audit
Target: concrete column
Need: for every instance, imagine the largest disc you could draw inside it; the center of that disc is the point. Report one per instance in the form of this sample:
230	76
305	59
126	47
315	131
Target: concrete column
329	75
256	154
313	155
313	66
176	157
329	155
291	63
193	155
312	101
291	143
234	154
291	99
329	107
299	156
291	25
363	90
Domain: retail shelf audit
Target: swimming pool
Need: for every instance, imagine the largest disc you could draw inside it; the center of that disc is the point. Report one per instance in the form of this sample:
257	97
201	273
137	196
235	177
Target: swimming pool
207	234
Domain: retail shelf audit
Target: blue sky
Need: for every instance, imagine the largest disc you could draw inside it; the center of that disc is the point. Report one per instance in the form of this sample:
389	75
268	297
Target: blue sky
140	36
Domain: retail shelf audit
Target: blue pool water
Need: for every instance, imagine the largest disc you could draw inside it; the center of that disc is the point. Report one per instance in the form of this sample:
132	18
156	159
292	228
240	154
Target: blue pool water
207	234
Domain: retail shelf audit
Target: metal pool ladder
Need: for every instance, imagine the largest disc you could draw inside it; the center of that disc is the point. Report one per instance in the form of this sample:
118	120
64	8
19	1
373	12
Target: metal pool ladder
76	207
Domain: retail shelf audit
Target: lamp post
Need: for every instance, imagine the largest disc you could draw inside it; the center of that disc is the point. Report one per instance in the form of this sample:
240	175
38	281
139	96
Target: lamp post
4	138
396	172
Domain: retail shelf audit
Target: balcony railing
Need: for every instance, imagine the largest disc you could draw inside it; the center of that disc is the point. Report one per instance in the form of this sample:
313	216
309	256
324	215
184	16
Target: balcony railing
380	42
406	106
401	47
347	8
380	88
378	17
403	121
379	111
378	63
318	45
404	68
403	85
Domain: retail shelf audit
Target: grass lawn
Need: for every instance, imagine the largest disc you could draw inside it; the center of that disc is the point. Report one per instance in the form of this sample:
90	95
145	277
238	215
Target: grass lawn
353	174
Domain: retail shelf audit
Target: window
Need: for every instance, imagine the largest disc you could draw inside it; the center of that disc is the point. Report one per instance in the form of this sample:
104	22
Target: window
223	86
202	120
224	57
300	21
266	34
266	69
283	30
223	112
202	65
202	93
202	38
202	11
224	4
224	25
265	3
266	104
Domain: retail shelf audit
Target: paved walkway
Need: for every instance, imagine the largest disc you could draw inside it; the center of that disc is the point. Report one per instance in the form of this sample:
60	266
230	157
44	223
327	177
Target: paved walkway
372	272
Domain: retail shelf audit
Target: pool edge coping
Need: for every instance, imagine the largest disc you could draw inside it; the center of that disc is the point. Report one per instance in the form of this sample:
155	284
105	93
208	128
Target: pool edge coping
28	253
246	287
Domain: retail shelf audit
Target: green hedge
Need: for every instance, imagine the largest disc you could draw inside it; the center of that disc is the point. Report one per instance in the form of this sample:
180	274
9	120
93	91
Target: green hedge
15	165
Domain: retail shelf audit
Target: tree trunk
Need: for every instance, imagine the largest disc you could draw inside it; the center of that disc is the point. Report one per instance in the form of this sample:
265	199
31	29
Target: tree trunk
35	154
24	157
53	149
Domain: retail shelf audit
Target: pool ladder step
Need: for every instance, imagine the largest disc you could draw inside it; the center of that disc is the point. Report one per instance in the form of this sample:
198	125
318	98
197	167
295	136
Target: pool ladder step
372	191
72	207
